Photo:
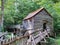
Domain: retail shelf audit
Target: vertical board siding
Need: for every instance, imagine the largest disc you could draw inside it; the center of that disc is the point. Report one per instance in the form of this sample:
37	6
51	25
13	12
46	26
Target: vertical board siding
38	20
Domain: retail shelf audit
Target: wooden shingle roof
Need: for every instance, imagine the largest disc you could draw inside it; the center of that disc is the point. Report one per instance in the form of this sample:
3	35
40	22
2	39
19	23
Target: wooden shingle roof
30	15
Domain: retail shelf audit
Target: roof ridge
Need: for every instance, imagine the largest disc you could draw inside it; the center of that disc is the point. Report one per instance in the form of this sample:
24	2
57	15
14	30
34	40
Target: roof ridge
30	15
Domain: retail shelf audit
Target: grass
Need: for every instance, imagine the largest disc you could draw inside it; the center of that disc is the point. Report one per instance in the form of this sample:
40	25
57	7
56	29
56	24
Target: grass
58	39
54	41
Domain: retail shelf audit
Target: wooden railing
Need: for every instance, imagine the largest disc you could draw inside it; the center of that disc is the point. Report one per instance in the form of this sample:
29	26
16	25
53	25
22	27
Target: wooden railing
15	41
33	37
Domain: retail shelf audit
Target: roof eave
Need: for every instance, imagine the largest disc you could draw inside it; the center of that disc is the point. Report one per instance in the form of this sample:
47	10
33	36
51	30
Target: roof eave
37	13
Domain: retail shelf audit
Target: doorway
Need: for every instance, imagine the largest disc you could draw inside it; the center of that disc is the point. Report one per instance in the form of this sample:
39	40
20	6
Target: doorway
38	43
44	26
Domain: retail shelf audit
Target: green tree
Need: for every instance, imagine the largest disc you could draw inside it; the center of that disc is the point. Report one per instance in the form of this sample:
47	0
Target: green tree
16	10
57	8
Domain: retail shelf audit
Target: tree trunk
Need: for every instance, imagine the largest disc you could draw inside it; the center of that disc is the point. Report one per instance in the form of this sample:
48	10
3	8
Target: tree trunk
2	13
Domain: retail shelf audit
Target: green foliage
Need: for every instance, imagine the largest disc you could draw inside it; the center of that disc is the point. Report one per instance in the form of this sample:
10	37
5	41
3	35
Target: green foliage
51	41
57	17
57	39
26	7
55	1
15	17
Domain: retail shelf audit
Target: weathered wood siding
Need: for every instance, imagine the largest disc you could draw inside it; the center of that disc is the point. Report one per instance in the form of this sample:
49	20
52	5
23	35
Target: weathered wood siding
38	20
28	24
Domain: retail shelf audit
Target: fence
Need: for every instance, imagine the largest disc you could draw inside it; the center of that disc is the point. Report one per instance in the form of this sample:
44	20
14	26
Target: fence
31	39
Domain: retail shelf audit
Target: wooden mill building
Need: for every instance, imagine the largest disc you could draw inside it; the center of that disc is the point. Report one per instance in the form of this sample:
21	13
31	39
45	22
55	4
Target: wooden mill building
38	25
39	19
